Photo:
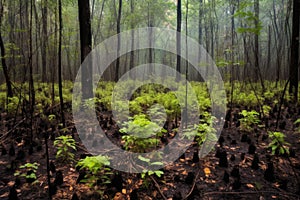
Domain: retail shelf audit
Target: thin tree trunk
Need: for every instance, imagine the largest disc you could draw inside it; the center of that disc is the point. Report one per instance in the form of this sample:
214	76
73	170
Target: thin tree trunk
37	36
59	64
178	38
119	41
294	63
232	56
256	45
200	34
44	40
150	25
3	60
86	47
131	62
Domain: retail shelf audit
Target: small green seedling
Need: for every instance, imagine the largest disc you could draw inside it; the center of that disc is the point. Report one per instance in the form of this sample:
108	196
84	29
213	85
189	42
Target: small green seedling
65	145
278	144
147	173
28	171
97	172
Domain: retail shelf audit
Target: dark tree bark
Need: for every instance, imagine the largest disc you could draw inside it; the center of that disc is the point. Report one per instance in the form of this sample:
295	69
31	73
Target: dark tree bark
86	47
44	41
256	45
30	56
200	14
37	37
3	60
178	38
119	40
131	62
150	24
200	32
59	64
232	11
294	63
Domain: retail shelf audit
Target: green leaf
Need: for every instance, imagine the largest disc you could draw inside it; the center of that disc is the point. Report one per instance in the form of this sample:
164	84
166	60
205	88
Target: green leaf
144	159
159	173
157	163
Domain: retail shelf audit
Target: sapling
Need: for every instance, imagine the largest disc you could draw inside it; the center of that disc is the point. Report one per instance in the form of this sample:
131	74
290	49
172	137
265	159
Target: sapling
97	172
65	145
278	145
249	120
147	173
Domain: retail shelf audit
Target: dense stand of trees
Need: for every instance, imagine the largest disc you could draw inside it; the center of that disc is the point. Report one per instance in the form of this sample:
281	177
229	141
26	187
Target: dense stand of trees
253	40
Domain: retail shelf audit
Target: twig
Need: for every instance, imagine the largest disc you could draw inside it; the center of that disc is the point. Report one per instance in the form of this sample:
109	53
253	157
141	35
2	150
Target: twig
158	188
193	186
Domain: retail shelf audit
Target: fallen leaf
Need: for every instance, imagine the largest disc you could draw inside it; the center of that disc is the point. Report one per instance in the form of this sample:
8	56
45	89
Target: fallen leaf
207	171
154	193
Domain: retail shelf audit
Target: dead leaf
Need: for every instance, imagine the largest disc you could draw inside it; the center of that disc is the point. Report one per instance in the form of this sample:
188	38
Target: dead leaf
207	171
184	172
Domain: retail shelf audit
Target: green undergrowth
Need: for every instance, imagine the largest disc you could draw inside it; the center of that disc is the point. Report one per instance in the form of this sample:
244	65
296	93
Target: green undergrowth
244	94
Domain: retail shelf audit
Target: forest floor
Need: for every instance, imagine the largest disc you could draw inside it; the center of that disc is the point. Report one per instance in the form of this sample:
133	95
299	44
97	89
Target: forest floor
186	177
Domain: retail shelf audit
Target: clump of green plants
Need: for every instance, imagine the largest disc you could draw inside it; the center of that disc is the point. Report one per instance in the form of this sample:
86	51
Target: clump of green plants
65	145
266	110
204	131
278	144
249	120
142	134
97	173
28	171
12	104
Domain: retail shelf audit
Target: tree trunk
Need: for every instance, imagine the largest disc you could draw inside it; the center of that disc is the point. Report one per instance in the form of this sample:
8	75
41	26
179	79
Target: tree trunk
131	62
294	63
200	34
30	56
119	41
150	24
86	47
178	38
256	45
3	60
59	64
44	41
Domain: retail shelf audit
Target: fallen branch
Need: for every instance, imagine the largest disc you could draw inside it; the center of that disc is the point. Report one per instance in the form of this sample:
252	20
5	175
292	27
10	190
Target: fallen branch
158	188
